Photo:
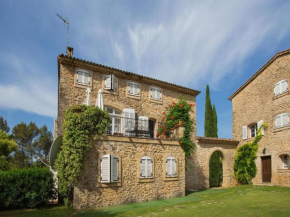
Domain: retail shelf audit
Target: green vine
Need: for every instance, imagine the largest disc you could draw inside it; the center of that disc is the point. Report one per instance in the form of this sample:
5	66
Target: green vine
82	124
172	118
245	167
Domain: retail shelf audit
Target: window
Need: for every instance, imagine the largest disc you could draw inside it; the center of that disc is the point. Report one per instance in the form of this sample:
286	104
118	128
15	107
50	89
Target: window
111	82
83	77
281	87
253	130
285	161
146	167
115	126
134	89
109	169
170	167
129	122
282	120
155	93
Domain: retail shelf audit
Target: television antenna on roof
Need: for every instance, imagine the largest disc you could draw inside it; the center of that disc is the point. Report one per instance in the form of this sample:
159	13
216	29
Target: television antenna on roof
67	29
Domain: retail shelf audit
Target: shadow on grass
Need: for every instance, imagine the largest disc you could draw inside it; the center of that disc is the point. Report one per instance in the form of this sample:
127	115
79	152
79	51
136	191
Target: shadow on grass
188	193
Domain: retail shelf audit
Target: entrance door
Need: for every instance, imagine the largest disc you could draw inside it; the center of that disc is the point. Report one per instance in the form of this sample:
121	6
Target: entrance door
266	169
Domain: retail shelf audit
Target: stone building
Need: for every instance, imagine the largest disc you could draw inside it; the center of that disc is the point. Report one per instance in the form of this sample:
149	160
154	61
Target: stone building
265	98
130	164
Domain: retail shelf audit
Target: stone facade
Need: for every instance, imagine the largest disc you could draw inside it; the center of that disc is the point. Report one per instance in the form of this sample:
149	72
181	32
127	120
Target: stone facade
89	191
255	101
197	168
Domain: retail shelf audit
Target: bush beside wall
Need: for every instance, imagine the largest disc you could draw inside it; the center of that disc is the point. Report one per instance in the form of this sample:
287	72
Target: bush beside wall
26	188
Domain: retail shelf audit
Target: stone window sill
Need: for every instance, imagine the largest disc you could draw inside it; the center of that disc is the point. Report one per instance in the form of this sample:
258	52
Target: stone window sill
110	92
156	101
83	85
134	96
281	128
109	185
283	170
281	95
146	179
167	179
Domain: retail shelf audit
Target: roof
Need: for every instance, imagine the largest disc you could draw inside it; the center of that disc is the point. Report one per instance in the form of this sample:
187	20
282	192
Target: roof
72	60
217	140
279	54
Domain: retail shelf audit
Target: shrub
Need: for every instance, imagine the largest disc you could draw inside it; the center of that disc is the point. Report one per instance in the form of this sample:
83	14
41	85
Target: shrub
26	188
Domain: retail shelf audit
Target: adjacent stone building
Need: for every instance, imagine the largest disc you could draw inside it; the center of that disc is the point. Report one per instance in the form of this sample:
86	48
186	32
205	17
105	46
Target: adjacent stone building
131	164
265	98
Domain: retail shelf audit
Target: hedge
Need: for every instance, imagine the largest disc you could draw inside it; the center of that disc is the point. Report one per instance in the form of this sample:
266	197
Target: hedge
26	188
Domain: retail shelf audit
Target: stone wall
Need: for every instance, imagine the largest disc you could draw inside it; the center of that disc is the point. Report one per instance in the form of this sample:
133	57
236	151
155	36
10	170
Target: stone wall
257	102
90	192
197	167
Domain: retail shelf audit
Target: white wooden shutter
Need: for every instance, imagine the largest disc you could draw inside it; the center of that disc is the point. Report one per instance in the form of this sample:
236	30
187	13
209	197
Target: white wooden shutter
277	89
152	93
80	77
114	168
149	167
105	169
258	126
86	78
131	88
114	83
143	123
129	120
143	167
285	119
245	132
284	86
168	171
158	94
278	121
136	89
108	82
173	167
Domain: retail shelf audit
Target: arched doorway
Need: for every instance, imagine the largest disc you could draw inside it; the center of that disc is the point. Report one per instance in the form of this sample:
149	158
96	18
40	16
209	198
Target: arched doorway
216	169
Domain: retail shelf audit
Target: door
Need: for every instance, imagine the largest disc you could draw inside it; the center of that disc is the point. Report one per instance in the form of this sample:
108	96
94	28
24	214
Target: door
266	169
151	128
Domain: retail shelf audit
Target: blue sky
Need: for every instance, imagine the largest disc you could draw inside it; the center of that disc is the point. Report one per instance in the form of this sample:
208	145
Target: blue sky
190	43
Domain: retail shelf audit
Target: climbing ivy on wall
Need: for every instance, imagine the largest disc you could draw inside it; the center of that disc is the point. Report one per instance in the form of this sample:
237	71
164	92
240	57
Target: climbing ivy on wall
82	124
245	167
174	114
215	169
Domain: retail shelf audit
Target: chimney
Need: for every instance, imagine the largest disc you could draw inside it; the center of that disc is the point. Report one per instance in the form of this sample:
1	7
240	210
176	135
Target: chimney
69	51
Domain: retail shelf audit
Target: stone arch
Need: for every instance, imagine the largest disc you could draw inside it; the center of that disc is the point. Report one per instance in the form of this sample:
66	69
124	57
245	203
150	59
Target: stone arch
225	182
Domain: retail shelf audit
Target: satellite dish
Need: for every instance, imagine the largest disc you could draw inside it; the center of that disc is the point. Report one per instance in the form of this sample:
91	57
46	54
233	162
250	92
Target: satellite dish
54	150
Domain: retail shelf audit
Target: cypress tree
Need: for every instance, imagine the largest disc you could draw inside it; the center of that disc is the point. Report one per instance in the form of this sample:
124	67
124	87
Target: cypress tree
215	122
215	170
208	122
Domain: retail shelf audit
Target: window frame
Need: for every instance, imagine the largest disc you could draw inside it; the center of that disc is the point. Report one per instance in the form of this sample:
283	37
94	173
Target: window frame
146	158
135	88
251	128
113	80
113	117
281	120
110	180
156	89
170	167
281	91
84	73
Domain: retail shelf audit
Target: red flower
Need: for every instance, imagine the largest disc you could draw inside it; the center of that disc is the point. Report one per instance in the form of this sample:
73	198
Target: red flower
162	119
173	103
181	106
163	112
192	104
171	117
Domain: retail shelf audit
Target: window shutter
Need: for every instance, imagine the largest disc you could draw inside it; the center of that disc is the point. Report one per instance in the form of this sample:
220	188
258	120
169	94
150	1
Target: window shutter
278	121
173	167
168	171
149	168
143	123
114	83
259	124
284	85
129	120
152	93
114	168
143	168
105	169
108	82
244	132
80	77
285	119
86	78
136	89
158	94
131	88
277	89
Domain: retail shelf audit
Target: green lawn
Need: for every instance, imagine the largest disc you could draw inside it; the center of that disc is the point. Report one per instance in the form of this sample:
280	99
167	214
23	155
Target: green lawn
242	201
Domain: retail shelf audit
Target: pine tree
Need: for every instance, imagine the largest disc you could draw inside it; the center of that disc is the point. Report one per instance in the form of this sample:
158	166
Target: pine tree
215	122
208	122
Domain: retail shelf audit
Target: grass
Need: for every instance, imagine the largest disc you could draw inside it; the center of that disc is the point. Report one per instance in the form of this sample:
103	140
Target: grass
242	201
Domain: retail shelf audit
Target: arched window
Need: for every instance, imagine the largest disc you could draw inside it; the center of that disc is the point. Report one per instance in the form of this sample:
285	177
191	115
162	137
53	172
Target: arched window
281	87
109	169
170	167
282	120
115	126
146	167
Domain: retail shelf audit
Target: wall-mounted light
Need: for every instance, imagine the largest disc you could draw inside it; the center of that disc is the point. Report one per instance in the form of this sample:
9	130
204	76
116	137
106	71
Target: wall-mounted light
264	151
